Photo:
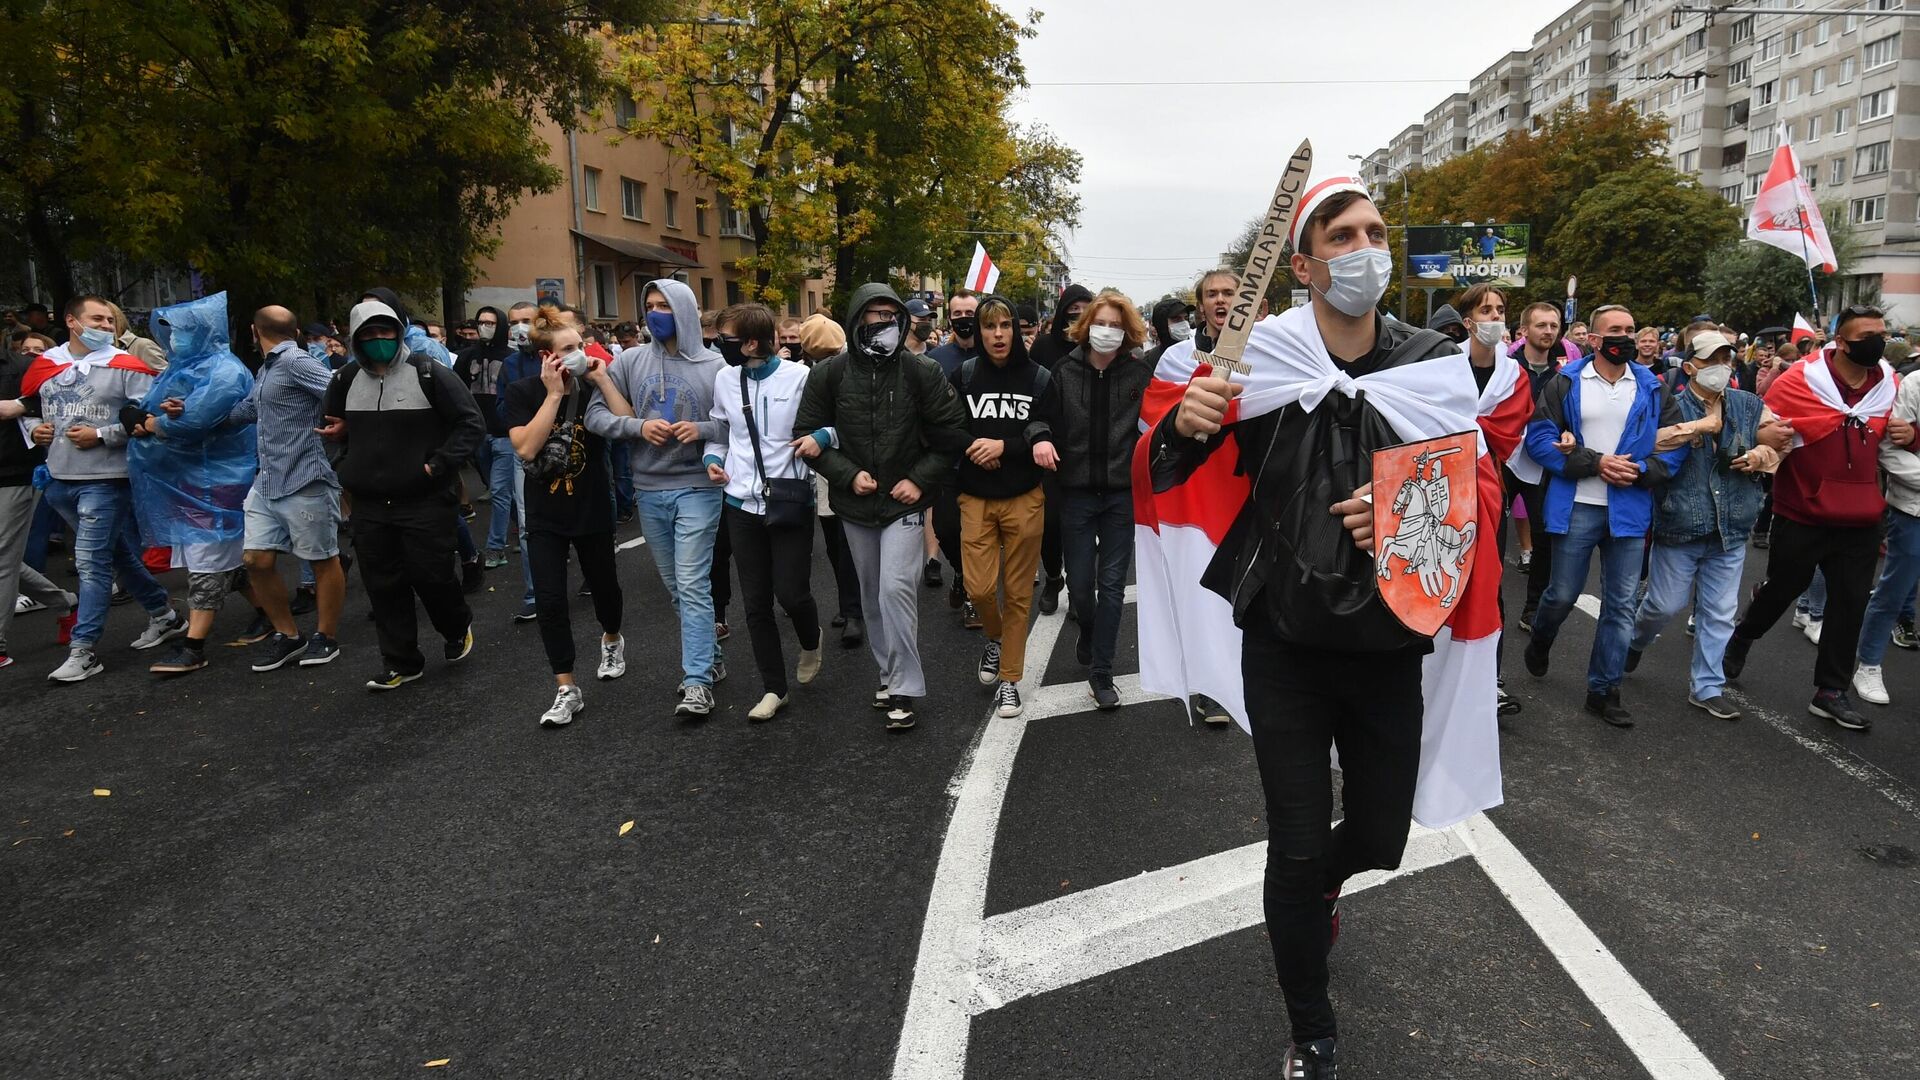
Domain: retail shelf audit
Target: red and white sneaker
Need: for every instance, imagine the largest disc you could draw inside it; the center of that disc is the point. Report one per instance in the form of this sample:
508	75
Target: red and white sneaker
1333	917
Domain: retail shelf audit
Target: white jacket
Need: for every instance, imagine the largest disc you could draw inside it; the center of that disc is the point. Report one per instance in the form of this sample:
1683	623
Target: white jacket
776	401
1903	464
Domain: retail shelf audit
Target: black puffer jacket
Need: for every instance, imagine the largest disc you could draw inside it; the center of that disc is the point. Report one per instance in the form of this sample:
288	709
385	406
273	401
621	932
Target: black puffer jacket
1094	416
895	418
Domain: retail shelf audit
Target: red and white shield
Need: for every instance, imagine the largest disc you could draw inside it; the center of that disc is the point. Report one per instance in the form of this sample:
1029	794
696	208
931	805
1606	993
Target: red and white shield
1425	509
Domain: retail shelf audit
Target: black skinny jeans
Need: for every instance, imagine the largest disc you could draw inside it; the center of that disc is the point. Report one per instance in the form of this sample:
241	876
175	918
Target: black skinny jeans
1850	558
774	564
547	555
1302	702
406	549
946	529
846	582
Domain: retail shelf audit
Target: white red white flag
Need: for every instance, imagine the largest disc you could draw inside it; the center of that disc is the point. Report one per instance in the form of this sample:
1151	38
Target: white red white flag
1802	330
1785	214
982	275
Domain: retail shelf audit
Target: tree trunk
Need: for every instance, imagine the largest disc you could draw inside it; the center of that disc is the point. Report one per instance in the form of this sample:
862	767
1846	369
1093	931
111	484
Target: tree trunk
455	275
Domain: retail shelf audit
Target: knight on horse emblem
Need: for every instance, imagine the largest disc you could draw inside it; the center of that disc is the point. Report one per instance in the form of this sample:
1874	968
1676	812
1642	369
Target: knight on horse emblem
1425	532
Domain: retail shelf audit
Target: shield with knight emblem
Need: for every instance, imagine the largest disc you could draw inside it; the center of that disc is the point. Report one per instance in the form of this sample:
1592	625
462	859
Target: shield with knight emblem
1425	515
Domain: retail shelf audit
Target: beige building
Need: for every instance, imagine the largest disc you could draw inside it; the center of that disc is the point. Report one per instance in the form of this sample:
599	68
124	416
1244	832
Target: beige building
628	212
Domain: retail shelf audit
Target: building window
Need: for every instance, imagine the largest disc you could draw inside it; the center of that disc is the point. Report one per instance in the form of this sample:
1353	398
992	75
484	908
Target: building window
1689	161
625	110
1813	127
590	188
1877	105
1869	211
1819	79
1753	184
1763	94
606	301
1851	23
1695	42
1762	139
1793	88
1769	48
1742	29
793	306
1823	32
1841	117
673	209
1881	53
1837	172
1693	84
1872	158
633	199
1795	39
1737	114
706	293
700	216
733	291
813	302
1846	71
1731	193
1739	71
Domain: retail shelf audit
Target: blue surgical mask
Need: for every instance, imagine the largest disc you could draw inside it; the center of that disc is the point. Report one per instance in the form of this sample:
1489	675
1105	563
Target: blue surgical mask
95	338
662	326
1358	280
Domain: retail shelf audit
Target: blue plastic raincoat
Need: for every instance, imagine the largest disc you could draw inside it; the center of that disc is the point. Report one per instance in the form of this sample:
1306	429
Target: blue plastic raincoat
190	480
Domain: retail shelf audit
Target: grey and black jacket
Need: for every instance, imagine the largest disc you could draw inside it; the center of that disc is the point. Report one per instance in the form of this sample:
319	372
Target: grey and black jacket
1094	418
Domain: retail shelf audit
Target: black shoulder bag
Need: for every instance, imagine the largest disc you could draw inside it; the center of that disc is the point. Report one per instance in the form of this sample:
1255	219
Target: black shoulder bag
788	500
556	453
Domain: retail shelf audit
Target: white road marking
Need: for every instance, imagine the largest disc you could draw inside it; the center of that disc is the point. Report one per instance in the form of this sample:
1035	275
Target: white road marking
1889	786
1068	699
933	1038
633	543
1652	1035
1087	934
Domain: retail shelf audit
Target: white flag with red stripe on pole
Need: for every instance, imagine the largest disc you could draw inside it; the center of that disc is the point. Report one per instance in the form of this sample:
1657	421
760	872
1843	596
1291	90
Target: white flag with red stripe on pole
982	275
1785	214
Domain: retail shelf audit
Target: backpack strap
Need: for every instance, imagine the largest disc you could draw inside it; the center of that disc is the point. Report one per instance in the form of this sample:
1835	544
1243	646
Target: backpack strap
967	368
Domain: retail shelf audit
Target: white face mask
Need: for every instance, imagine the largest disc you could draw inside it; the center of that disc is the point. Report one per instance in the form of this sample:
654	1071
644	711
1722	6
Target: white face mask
517	335
1358	280
576	362
1714	378
1488	333
1179	331
1105	339
486	331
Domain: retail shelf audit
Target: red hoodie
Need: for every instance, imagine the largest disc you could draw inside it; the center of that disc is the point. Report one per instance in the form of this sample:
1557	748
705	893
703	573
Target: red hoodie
1834	479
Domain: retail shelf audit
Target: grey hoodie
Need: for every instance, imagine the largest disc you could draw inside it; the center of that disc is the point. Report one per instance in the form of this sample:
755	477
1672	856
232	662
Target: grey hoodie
89	392
665	386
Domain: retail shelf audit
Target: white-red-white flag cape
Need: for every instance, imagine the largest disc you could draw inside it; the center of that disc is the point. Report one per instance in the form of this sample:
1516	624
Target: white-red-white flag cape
1188	642
982	275
1785	214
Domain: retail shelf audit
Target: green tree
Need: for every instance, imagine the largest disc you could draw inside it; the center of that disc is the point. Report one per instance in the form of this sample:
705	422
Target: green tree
1641	237
1751	285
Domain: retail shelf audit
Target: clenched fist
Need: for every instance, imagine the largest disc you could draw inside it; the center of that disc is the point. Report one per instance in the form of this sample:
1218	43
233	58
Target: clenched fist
1203	409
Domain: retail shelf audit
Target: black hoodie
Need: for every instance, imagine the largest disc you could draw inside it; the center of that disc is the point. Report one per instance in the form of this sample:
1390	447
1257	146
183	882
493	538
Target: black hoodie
1049	347
480	364
1002	401
1163	316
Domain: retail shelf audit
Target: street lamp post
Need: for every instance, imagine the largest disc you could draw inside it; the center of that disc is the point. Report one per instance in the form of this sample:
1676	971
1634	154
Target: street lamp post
1406	215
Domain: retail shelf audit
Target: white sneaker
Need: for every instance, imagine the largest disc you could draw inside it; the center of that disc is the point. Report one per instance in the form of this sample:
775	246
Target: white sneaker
1868	683
1812	630
24	603
81	665
1800	620
809	666
161	628
567	701
613	658
769	705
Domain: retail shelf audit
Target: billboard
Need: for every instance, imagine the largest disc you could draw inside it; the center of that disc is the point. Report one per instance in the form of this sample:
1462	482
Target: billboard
1455	256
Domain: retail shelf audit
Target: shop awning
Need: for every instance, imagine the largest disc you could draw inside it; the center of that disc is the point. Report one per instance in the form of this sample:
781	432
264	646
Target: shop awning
640	250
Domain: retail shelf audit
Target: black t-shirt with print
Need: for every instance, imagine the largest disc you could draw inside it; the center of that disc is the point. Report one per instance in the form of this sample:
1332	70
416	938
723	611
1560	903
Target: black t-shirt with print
580	502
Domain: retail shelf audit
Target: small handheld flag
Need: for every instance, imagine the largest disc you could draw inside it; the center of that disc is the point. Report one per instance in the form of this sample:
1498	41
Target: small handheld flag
982	275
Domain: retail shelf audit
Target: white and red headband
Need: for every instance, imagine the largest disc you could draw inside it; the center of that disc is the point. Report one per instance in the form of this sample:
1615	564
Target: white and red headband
1318	194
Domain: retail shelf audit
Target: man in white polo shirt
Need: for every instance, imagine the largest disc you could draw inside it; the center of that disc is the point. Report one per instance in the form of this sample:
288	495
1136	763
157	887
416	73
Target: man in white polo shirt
1597	431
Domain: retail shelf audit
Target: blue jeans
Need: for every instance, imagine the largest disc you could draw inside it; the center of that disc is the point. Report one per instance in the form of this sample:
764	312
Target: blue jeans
1895	591
623	496
500	489
100	515
1677	571
1619	577
520	512
1099	549
680	526
1813	602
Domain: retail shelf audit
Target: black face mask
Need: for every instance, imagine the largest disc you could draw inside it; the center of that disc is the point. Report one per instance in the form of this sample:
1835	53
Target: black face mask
1618	349
964	326
731	350
1867	351
923	329
1458	334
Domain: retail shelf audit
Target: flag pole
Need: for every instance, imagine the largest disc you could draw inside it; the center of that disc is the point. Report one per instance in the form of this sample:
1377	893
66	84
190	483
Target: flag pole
1806	254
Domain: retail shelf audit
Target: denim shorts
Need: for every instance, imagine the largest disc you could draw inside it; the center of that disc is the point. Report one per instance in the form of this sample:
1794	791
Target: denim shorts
305	523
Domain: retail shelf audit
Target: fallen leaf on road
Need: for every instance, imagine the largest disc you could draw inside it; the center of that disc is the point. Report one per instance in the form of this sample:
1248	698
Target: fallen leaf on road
24	839
627	828
656	939
1756	836
69	832
436	1063
1064	884
1875	1005
101	792
759	926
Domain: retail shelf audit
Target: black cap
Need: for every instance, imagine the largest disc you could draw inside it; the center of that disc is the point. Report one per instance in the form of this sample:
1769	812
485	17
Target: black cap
318	329
919	308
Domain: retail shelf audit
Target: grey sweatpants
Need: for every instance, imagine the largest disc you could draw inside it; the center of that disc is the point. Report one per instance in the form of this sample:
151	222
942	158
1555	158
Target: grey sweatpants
888	561
16	518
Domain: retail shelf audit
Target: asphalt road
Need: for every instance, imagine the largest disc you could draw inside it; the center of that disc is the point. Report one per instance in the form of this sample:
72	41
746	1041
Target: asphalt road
293	877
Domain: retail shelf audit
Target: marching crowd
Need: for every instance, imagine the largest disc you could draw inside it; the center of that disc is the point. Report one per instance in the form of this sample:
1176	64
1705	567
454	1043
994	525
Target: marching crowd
996	443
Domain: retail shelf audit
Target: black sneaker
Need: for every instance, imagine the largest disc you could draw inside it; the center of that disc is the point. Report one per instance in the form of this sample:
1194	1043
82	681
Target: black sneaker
277	652
527	613
990	663
956	595
1083	646
456	649
1105	697
181	659
1536	658
899	713
1526	622
303	601
389	679
1904	636
1050	595
1504	704
969	616
120	595
1006	701
1310	1061
930	577
257	631
1836	706
321	649
1716	706
853	633
1761	540
1734	661
1607	707
1209	711
1633	658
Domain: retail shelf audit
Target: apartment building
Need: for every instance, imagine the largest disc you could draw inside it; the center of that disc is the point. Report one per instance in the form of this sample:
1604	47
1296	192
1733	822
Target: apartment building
1728	87
628	212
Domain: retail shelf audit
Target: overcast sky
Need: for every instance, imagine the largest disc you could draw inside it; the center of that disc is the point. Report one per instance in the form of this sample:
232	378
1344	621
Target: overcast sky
1172	172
